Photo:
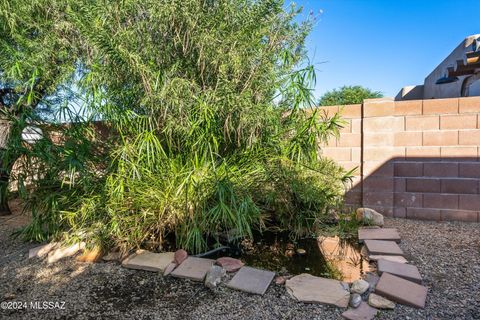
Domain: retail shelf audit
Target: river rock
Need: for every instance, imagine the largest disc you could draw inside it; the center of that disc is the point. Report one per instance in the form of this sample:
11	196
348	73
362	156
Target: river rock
180	256
229	264
369	216
214	276
355	300
280	280
301	252
359	286
379	302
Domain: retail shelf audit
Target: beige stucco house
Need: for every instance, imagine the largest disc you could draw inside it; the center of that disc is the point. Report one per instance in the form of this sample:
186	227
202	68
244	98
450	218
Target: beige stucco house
456	76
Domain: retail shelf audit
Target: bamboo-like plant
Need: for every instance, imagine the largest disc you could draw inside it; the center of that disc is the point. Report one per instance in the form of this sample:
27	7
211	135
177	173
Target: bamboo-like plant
198	118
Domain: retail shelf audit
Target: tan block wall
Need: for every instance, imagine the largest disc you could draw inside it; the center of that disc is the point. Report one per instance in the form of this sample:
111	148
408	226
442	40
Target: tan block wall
416	159
346	150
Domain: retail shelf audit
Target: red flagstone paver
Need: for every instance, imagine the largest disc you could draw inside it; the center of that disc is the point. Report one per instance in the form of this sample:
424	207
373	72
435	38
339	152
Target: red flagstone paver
398	259
378	234
382	247
363	312
401	290
402	270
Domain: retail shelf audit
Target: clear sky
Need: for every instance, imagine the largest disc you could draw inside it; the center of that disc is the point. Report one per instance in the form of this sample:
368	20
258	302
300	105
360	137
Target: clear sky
385	44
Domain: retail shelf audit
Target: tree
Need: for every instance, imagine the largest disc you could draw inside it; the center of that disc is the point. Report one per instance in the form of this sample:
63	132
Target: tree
348	95
211	124
34	61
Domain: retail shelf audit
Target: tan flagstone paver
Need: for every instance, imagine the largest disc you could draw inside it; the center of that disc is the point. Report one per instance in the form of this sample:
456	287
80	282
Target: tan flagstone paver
149	261
311	289
193	268
251	280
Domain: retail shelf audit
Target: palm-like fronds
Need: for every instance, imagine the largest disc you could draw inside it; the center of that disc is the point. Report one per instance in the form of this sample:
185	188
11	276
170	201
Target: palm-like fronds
206	110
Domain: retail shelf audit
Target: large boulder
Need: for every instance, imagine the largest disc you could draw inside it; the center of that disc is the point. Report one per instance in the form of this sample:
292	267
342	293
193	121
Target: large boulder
369	216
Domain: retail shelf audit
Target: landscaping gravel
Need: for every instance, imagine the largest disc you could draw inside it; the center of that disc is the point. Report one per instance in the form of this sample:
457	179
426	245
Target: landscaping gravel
447	255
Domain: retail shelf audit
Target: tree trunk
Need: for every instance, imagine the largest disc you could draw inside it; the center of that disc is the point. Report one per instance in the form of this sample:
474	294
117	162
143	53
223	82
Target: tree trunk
6	166
4	178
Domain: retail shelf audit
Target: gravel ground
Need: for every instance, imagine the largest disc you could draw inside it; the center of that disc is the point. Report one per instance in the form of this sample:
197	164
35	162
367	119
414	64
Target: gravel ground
447	255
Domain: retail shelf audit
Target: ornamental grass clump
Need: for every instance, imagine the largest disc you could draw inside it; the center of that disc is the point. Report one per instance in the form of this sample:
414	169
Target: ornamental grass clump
186	119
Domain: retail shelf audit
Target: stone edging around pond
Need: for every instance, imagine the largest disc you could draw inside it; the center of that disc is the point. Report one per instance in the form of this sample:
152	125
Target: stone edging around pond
398	281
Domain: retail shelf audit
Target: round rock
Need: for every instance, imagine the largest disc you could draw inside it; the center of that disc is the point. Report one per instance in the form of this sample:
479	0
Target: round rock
359	286
180	256
230	264
355	300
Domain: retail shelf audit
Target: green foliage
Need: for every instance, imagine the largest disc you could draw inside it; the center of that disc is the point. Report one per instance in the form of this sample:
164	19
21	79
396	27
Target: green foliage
348	95
208	115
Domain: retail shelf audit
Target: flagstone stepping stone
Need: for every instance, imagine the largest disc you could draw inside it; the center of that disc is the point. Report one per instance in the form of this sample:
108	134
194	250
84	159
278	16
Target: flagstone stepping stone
398	259
378	234
382	247
311	289
401	290
171	266
402	270
251	280
193	268
363	312
43	250
149	261
230	264
63	252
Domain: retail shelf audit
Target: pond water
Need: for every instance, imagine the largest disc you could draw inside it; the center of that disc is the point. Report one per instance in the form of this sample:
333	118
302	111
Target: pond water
329	257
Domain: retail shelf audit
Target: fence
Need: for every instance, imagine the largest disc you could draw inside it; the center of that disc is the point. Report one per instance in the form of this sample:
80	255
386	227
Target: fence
416	159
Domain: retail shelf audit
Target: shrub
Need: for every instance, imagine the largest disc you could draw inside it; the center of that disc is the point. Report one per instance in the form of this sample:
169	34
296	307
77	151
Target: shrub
348	95
211	127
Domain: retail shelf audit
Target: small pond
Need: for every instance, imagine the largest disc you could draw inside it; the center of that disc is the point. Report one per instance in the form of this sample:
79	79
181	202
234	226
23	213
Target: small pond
329	257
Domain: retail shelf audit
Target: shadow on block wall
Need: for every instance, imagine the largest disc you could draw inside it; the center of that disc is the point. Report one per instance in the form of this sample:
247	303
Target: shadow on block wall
426	188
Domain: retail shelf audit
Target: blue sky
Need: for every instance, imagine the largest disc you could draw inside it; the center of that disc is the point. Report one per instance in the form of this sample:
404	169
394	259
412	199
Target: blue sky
385	44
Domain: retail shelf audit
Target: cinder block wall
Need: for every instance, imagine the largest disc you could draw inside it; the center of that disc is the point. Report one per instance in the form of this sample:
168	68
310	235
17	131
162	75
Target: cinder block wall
416	159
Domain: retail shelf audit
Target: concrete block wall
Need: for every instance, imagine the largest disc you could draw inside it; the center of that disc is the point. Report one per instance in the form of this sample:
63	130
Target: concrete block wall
417	159
346	151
